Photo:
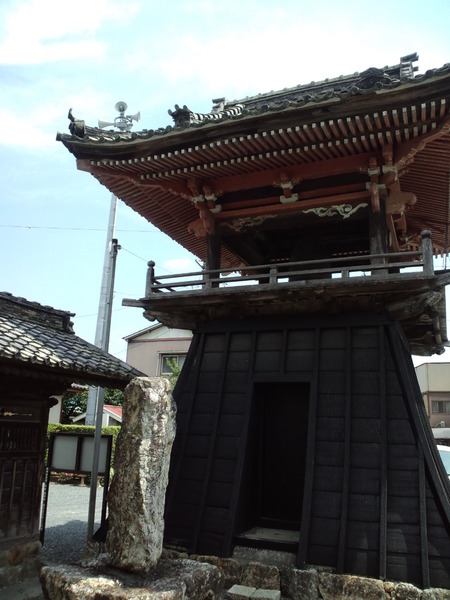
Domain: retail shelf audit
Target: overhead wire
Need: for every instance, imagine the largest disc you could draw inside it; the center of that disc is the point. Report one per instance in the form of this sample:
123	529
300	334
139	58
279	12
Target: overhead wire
49	227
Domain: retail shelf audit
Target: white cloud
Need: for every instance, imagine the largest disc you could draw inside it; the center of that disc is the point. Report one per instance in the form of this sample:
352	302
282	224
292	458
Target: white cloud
39	31
34	124
20	132
256	47
180	265
36	51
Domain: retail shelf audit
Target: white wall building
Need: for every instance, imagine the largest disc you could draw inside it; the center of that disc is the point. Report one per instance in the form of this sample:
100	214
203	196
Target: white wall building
151	350
434	382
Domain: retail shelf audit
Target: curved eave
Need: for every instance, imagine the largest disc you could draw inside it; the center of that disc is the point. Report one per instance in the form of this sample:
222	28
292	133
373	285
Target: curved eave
58	375
311	108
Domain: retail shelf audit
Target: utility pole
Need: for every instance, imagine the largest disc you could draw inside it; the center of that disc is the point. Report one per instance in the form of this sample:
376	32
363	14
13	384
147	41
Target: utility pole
96	395
105	304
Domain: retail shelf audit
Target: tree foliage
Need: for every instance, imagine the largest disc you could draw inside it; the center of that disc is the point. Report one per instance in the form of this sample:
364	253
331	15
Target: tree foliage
76	404
176	370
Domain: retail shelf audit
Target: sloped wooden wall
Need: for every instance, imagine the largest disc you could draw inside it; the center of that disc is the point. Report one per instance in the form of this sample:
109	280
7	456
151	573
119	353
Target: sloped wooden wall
376	500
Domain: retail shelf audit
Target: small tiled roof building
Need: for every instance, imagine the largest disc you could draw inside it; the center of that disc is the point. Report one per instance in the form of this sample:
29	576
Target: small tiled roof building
40	357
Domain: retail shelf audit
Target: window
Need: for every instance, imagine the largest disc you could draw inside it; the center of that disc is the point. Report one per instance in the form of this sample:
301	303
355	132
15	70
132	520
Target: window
440	406
167	359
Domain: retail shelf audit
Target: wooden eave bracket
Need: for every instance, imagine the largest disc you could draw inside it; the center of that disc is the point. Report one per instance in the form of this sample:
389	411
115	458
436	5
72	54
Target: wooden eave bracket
414	306
377	191
204	194
287	185
204	199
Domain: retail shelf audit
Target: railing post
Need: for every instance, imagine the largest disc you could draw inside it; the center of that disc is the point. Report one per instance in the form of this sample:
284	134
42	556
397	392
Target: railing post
427	252
273	275
206	277
150	278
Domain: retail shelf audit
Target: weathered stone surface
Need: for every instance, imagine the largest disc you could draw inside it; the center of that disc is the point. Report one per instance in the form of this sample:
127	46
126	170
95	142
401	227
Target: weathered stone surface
267	557
258	575
266	595
231	569
71	582
405	591
240	592
19	562
172	580
12	574
337	587
137	495
297	583
17	554
361	588
201	581
331	586
388	586
169	554
436	594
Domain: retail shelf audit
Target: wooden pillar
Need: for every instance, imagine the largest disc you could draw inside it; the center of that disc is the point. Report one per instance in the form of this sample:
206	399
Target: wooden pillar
378	231
213	250
427	253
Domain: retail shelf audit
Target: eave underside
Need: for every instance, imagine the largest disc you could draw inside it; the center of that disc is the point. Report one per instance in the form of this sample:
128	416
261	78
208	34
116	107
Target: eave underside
325	156
32	375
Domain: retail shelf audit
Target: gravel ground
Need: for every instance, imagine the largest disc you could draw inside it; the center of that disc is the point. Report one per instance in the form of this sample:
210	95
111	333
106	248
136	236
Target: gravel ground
66	522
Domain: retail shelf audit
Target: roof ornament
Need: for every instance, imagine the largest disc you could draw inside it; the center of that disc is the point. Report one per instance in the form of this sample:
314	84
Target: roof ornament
181	116
77	126
184	116
122	122
406	65
373	79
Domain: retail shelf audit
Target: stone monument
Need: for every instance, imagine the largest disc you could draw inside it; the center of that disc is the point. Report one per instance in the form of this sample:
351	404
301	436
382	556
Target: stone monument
136	498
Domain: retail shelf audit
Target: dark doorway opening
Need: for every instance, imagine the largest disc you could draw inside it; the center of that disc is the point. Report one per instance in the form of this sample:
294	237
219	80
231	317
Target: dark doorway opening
276	463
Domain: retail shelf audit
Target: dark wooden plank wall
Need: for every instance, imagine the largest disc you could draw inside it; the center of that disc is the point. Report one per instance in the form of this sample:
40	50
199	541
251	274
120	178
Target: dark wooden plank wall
21	468
433	488
366	509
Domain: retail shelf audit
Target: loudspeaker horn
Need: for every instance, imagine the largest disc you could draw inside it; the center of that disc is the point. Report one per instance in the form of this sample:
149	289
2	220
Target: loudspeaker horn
135	117
102	124
121	106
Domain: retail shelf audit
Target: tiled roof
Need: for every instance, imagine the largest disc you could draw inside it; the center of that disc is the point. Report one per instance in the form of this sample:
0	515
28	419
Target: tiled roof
39	341
116	411
369	81
113	411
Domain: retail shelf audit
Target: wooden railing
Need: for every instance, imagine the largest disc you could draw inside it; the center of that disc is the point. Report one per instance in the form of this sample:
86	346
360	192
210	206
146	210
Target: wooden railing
388	266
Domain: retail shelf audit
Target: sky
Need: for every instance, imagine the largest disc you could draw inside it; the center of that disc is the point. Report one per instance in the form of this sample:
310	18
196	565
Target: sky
152	54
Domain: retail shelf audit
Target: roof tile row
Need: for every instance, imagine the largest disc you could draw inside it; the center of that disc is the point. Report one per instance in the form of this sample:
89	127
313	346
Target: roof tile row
368	82
40	335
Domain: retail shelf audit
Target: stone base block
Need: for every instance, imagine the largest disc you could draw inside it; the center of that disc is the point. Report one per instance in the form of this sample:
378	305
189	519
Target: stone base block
267	595
240	592
181	579
231	569
263	576
246	592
